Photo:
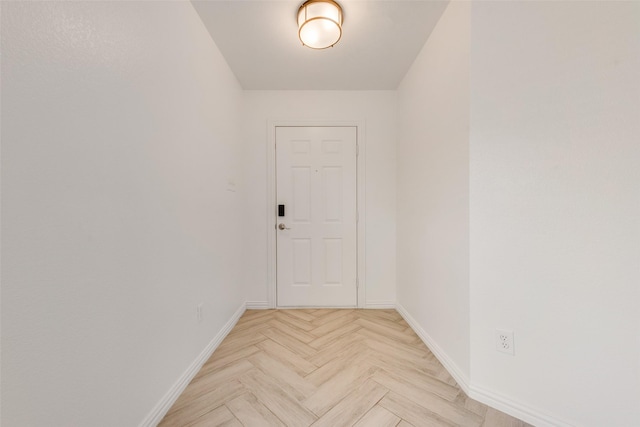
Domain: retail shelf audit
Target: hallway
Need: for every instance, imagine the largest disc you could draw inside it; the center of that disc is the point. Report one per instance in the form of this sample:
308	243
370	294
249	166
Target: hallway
498	190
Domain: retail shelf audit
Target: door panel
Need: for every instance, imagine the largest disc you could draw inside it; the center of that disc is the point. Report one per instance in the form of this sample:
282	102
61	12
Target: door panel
316	181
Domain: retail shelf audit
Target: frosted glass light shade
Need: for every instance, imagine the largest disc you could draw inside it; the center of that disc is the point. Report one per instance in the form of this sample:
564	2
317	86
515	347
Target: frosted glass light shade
319	23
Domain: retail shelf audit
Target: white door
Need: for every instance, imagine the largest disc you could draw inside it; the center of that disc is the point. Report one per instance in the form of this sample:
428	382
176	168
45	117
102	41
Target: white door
316	237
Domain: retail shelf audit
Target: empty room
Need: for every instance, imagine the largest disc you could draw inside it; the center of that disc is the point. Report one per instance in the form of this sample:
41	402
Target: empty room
328	213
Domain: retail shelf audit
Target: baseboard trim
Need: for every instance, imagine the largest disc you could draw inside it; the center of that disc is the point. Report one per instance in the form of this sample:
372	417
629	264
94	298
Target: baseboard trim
257	305
519	410
490	398
449	365
161	409
381	304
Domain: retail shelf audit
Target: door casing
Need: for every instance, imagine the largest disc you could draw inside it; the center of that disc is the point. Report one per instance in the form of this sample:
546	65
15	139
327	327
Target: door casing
271	200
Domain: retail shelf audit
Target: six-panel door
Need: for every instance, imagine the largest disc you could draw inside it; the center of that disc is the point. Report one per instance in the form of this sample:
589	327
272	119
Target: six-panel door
316	239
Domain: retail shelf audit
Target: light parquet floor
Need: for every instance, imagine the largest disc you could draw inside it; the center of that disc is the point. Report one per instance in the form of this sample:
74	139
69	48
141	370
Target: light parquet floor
326	368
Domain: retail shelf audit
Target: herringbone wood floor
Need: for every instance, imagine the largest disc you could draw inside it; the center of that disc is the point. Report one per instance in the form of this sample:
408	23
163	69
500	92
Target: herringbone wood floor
326	368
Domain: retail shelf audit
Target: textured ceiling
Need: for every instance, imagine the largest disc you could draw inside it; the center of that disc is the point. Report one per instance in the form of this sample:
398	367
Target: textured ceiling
379	43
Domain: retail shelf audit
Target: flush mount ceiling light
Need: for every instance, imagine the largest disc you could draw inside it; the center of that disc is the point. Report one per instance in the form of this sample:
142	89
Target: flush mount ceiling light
319	23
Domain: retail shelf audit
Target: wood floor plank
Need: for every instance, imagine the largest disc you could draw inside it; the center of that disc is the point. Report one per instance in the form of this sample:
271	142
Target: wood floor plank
388	314
221	417
471	405
330	316
214	363
197	407
252	413
420	346
378	417
331	325
300	314
380	319
353	354
236	342
289	342
444	409
241	336
255	314
496	418
287	357
292	331
329	338
415	349
408	375
336	388
205	383
410	412
386	331
397	350
392	364
294	321
236	332
284	406
334	350
444	376
354	406
254	322
284	377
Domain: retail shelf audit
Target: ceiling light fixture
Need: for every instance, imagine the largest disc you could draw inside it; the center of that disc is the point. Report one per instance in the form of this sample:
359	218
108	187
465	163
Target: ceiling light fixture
319	23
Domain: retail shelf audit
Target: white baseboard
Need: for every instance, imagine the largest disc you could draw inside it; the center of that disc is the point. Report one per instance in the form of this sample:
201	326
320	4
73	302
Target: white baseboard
380	304
161	409
449	365
257	305
519	410
492	399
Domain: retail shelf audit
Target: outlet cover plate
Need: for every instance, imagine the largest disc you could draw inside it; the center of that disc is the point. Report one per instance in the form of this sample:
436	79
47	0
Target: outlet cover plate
504	341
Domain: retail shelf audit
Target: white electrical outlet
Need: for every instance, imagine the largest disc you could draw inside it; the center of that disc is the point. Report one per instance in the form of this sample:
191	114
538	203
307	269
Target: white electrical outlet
199	313
231	185
504	341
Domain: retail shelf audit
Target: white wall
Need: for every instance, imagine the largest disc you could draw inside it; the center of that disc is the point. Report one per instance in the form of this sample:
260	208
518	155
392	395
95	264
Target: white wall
433	189
555	207
120	131
377	110
518	205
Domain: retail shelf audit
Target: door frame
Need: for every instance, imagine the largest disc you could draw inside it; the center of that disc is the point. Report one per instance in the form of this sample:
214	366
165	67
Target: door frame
360	201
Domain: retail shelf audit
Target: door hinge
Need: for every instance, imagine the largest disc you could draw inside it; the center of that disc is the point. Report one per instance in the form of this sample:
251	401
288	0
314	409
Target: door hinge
357	283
